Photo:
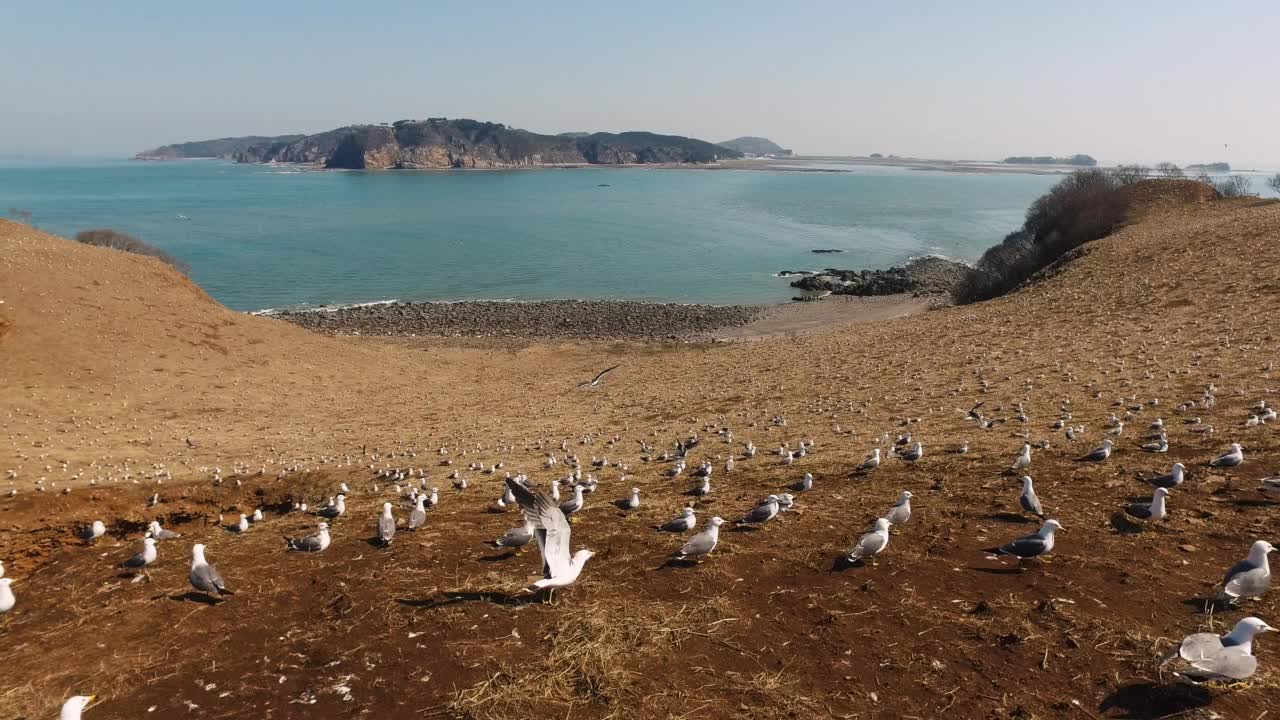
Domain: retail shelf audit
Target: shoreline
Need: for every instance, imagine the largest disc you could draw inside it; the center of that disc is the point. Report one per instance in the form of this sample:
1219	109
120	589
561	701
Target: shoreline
602	320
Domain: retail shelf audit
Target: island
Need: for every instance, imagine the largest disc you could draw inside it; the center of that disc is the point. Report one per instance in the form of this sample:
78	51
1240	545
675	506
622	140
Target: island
756	147
1218	167
1076	160
440	143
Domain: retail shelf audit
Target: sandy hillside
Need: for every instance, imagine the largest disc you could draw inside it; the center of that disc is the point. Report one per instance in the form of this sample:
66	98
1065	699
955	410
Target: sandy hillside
115	370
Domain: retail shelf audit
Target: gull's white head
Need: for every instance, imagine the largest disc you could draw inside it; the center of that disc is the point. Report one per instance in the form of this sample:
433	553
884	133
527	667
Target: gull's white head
1179	467
882	525
771	499
715	521
197	552
687	512
1250	626
582	556
1260	549
1051	526
635	491
906	495
148	541
1108	444
323	527
72	708
1161	492
1026	481
386	508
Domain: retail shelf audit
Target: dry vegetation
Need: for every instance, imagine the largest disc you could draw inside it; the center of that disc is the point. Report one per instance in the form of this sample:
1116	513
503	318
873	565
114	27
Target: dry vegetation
113	365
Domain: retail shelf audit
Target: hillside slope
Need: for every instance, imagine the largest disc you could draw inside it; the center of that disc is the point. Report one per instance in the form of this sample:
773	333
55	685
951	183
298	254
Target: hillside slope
111	359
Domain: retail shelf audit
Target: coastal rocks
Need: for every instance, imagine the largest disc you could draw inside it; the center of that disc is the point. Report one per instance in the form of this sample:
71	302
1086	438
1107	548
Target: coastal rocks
922	276
824	251
577	319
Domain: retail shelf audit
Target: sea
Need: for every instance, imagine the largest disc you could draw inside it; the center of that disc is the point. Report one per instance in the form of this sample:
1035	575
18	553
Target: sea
262	237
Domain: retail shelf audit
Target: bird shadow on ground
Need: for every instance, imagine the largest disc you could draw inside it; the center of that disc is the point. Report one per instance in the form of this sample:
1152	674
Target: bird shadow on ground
677	563
1008	517
193	596
1149	701
375	542
1122	524
745	529
843	563
499	557
1206	605
445	599
1254	503
1001	569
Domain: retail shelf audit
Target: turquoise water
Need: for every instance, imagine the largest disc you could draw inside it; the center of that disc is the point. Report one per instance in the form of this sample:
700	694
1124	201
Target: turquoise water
265	237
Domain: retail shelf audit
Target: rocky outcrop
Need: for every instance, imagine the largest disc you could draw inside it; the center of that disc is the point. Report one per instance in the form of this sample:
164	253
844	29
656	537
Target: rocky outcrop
222	148
441	143
922	276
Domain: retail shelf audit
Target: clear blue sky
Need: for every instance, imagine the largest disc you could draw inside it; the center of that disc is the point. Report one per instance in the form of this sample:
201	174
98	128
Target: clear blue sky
1124	81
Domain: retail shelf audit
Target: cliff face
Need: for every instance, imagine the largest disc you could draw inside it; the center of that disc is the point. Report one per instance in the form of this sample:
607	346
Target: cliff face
441	143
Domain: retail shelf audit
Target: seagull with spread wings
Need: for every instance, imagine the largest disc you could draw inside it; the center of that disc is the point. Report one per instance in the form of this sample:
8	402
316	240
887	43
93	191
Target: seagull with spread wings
551	530
595	381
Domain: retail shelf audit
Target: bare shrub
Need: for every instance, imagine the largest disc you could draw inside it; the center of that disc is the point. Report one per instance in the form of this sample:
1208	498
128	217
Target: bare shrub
120	241
1232	186
1169	170
1274	182
1130	174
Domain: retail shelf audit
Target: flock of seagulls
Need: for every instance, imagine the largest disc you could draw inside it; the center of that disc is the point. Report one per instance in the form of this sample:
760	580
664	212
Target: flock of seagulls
547	522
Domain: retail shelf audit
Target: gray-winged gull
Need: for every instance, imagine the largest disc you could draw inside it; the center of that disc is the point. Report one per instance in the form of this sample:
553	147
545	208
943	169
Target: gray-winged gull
203	576
311	543
900	513
703	543
1250	577
682	523
338	507
7	600
1023	461
1171	479
762	513
872	462
386	525
1231	458
1149	512
915	453
630	503
160	533
93	532
551	530
143	558
1100	453
418	515
516	537
1033	545
872	543
573	504
1229	657
1029	501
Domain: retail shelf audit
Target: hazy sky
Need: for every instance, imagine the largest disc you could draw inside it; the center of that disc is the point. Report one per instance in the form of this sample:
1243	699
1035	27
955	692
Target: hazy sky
1123	81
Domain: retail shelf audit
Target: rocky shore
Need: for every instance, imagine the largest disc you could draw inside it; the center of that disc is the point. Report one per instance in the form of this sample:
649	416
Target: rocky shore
570	319
922	276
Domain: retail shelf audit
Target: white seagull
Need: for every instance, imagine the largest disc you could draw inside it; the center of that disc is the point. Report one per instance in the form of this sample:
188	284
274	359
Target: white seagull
871	544
703	543
551	530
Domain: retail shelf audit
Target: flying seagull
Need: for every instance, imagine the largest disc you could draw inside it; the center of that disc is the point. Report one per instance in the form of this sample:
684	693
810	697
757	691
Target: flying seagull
1033	545
1250	577
203	576
595	381
703	543
551	530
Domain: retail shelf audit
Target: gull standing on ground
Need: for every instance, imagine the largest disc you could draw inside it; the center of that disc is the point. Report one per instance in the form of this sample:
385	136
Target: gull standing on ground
516	537
573	504
1029	501
93	532
1023	461
338	507
1034	545
805	484
1214	658
386	525
242	526
702	490
311	543
72	708
203	576
684	522
1172	479
900	513
871	544
762	513
872	462
1231	458
630	503
143	558
7	600
1149	512
160	533
551	530
915	453
1269	485
1099	453
1250	577
418	515
703	543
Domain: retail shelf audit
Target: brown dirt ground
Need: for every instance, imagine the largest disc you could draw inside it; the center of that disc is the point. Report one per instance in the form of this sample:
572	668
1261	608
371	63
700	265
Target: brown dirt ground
111	363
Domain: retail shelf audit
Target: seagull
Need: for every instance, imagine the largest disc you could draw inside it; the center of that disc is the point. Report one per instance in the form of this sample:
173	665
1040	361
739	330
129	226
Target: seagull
762	513
703	543
1099	453
1	568
1172	479
93	532
516	537
1028	499
682	523
434	498
871	544
702	490
551	530
1230	458
872	462
144	558
900	513
7	600
573	504
311	543
242	526
1159	445
386	525
1149	512
805	483
418	515
915	453
160	533
1269	484
1250	577
72	708
257	515
338	507
785	502
1033	545
596	380
1023	461
630	503
203	576
1202	646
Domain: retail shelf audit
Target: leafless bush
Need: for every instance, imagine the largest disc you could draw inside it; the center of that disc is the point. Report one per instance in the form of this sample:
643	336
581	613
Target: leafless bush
1232	186
120	241
1130	174
1274	182
1169	170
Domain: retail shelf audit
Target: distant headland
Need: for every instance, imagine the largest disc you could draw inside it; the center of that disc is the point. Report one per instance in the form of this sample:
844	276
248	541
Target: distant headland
441	143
